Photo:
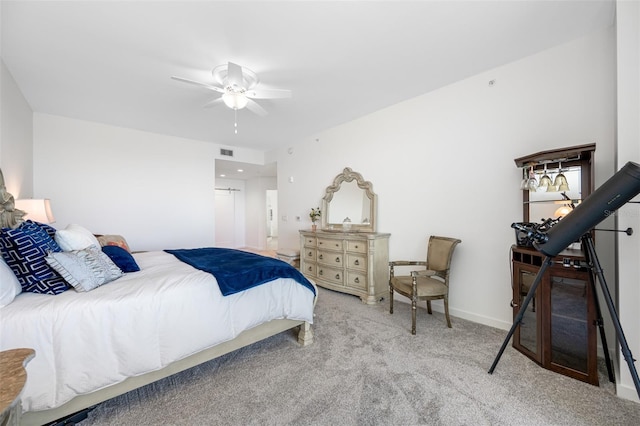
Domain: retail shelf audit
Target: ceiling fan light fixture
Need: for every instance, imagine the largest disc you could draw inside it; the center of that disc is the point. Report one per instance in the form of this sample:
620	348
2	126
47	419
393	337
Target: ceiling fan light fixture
235	100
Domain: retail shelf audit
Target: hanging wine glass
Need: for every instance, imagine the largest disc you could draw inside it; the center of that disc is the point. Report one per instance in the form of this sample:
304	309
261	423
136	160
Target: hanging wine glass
545	181
561	181
532	183
525	179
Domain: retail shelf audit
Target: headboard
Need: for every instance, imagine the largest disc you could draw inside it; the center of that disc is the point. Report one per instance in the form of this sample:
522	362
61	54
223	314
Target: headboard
10	217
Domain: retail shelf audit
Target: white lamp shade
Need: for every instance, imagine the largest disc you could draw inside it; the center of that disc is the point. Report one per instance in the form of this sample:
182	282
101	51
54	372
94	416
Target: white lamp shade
562	211
235	100
38	210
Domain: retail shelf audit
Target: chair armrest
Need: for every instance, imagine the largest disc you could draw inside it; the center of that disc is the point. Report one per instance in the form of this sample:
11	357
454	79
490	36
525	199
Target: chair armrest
424	273
408	263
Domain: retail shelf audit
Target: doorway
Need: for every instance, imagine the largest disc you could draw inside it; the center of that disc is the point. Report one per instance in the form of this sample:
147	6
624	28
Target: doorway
272	218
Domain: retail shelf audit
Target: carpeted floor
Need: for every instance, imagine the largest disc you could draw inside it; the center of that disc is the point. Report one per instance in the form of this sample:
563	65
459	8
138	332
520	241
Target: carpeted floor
365	368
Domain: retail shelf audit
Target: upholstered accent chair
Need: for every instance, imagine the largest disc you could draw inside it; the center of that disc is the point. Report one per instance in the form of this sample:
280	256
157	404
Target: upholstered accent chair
429	282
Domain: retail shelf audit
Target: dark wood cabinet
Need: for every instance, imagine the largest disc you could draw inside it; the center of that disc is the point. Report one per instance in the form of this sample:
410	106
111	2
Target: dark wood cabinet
560	325
559	328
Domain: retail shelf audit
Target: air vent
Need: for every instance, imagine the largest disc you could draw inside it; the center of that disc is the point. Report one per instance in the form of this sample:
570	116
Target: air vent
226	152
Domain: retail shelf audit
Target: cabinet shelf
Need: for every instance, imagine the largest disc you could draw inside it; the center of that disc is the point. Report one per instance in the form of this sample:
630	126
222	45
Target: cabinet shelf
560	316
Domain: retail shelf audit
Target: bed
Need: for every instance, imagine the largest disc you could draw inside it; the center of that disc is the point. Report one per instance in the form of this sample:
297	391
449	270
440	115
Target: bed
141	326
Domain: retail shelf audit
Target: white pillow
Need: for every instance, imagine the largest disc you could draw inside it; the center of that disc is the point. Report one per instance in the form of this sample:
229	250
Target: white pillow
9	285
75	237
84	269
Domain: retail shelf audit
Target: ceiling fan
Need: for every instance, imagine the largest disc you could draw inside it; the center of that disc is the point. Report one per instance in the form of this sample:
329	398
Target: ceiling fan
237	86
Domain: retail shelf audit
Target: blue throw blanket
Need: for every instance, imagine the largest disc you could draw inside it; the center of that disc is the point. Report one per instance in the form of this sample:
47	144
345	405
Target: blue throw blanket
237	270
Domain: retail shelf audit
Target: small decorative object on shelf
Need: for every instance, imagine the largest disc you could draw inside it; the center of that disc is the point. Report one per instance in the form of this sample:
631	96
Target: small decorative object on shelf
315	215
346	224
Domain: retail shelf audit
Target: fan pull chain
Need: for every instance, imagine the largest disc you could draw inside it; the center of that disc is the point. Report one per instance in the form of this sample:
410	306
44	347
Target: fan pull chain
235	120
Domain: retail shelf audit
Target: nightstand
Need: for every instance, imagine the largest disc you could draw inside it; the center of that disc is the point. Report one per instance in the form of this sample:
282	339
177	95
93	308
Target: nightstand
14	377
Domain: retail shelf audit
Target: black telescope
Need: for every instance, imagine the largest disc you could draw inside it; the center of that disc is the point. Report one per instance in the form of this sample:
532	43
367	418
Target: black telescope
601	203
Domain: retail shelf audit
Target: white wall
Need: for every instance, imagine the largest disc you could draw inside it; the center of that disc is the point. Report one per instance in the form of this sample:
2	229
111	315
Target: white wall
442	163
155	190
16	137
628	149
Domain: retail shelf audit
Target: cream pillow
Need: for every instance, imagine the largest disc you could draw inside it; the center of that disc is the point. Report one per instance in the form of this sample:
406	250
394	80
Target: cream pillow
75	237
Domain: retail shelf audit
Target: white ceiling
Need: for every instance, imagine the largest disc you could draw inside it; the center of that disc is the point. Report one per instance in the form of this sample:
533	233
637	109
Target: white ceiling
111	62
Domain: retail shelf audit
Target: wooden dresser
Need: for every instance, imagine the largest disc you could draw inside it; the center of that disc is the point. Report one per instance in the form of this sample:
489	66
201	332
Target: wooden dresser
355	263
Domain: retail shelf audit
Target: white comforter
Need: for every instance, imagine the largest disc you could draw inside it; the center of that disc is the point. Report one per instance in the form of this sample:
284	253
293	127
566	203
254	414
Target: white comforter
136	324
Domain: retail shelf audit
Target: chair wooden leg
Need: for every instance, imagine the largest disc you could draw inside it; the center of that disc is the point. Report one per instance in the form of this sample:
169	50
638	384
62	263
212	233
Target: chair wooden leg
429	307
390	300
446	311
414	308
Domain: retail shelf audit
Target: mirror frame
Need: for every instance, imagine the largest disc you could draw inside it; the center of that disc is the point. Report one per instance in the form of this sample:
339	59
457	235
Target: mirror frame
349	175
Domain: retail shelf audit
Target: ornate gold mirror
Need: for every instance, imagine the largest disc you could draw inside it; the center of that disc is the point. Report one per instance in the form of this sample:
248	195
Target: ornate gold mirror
349	204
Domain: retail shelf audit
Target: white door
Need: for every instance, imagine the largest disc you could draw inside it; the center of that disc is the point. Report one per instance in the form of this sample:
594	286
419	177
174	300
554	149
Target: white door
225	218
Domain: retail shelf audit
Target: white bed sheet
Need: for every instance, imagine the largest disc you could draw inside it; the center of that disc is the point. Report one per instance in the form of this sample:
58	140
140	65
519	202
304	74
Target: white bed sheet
139	323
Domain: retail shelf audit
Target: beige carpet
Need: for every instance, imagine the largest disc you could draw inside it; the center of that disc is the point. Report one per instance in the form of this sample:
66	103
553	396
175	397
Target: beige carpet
365	368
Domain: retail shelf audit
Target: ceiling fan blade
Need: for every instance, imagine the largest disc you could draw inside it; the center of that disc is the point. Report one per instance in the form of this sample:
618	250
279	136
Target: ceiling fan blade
197	83
254	107
234	74
268	93
212	102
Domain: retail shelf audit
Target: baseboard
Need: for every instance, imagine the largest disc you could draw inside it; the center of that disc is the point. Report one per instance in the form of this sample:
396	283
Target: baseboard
457	313
627	392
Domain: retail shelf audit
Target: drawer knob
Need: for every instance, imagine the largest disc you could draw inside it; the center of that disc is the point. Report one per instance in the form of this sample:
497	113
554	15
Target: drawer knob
309	269
320	272
337	276
356	280
356	246
320	257
310	253
337	260
356	262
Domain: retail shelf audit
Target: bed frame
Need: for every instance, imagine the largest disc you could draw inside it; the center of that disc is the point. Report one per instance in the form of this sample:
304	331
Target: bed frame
246	338
12	217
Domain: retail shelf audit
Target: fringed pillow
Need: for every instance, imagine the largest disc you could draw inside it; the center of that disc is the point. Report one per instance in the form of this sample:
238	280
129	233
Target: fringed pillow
84	269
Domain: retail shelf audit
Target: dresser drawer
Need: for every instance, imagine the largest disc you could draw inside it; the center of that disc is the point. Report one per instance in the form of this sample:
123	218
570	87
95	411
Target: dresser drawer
309	254
310	241
357	261
310	269
334	276
356	280
331	258
357	246
329	244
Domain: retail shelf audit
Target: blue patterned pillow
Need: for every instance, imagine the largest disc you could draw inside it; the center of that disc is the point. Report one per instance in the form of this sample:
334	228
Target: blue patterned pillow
50	230
24	250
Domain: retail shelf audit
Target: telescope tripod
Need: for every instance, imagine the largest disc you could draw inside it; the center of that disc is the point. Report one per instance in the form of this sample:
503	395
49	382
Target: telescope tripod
596	272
